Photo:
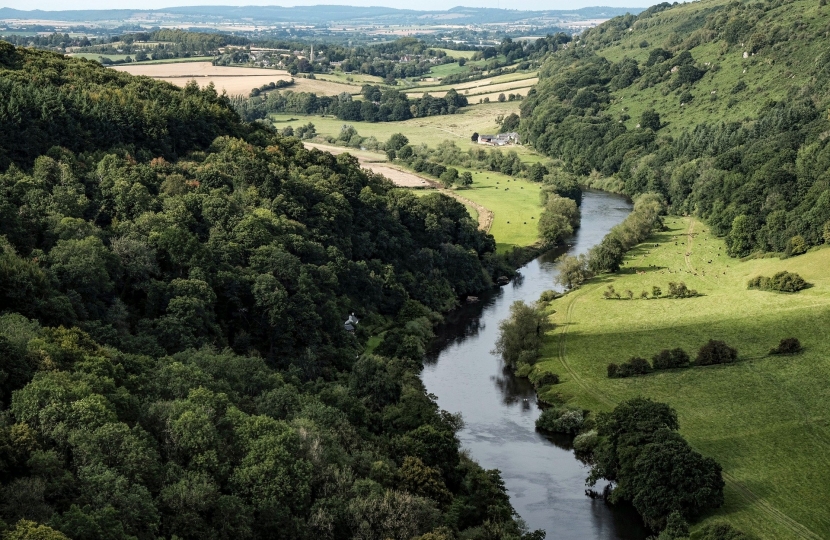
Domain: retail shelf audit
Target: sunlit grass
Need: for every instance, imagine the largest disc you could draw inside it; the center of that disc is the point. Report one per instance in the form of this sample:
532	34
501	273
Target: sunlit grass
765	418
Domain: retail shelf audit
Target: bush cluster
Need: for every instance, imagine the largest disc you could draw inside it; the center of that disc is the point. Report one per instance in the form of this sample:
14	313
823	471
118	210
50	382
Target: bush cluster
668	359
676	290
788	346
634	366
782	282
564	419
547	379
713	352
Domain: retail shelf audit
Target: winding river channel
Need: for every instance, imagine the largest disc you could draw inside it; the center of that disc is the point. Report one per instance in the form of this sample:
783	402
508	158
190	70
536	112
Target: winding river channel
545	481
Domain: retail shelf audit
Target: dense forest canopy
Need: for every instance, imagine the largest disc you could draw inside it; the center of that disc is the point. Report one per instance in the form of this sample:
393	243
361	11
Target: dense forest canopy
757	171
173	357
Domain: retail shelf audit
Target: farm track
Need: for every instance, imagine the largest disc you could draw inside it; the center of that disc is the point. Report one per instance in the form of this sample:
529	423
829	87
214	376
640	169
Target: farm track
764	506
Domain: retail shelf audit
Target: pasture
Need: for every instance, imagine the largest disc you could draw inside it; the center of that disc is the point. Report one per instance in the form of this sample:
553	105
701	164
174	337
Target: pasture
515	204
233	80
428	130
763	418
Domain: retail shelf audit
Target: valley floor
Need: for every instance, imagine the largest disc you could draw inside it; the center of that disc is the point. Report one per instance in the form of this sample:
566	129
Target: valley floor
765	418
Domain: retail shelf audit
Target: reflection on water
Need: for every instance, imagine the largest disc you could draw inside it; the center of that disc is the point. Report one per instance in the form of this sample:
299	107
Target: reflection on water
545	481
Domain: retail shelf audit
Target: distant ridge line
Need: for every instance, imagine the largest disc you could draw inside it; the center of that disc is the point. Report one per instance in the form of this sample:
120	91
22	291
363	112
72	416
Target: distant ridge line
324	14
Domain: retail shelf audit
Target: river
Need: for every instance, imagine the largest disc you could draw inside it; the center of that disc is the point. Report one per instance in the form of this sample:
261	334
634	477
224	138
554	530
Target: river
545	481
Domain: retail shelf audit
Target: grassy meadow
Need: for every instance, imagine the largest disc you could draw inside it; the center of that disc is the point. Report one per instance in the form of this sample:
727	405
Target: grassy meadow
765	418
515	204
429	130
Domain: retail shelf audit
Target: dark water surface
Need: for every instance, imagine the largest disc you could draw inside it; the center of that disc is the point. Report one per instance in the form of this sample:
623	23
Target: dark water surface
545	481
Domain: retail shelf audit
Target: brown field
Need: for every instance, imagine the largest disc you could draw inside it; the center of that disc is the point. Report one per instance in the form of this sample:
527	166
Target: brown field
233	80
481	88
197	69
375	163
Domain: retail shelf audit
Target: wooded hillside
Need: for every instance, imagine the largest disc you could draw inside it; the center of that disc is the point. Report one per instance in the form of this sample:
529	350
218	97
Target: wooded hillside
721	107
173	357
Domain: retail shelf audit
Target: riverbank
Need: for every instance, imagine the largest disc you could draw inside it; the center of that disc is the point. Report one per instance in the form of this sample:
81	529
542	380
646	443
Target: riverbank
545	481
764	418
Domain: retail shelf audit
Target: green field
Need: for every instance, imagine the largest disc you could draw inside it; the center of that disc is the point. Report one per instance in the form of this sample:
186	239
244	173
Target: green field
515	204
458	54
515	209
764	418
180	60
429	130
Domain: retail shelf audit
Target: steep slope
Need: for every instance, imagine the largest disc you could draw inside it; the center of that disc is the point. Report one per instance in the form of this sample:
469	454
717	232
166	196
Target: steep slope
719	106
173	355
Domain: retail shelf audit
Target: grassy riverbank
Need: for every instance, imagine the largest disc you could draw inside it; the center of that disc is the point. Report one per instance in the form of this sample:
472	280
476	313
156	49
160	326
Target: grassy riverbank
765	418
515	203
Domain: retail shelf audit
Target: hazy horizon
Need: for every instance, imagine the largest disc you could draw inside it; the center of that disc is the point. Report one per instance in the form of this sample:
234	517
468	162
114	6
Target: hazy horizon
527	5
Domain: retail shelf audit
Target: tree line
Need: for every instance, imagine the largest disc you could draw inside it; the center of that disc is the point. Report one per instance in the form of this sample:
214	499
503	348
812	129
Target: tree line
380	106
636	446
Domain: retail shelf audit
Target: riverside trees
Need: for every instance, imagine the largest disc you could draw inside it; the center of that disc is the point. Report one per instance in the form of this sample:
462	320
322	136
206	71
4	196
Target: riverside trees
653	466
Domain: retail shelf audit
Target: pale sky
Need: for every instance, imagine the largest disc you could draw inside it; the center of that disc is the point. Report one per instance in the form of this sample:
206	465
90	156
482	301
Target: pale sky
58	5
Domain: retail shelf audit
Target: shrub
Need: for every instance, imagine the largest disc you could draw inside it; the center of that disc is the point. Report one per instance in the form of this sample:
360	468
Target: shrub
667	359
680	290
797	245
585	443
788	346
721	531
715	352
549	296
676	527
561	420
782	282
650	120
573	271
547	379
635	366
